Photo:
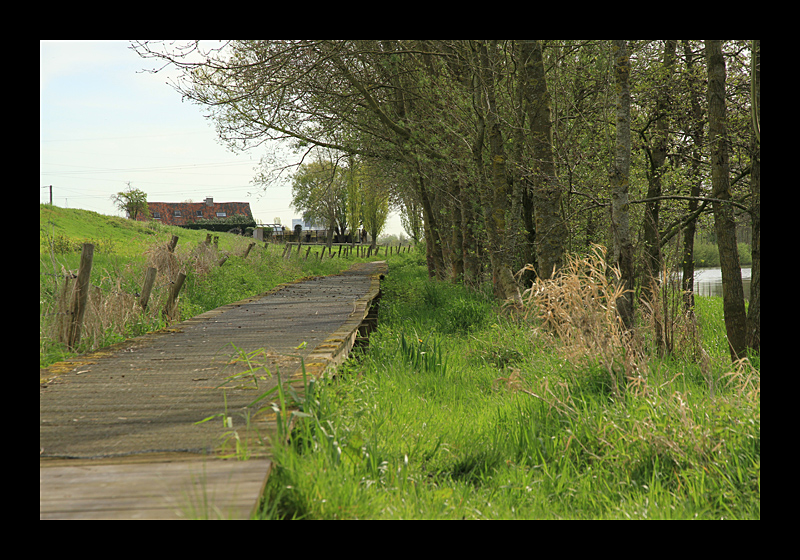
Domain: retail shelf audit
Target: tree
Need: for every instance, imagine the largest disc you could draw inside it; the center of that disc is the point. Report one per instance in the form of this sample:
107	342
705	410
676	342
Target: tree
132	201
656	147
546	190
411	218
724	224
620	181
695	131
354	202
495	186
754	310
375	202
319	190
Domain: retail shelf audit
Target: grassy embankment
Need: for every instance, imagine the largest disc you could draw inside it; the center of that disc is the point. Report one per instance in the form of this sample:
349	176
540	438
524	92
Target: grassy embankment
124	249
458	410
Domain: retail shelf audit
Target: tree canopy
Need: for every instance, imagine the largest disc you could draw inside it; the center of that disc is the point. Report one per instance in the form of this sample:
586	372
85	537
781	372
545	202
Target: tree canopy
506	153
131	201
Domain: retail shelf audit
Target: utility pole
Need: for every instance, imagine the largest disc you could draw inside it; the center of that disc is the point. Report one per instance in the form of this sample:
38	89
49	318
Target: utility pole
51	193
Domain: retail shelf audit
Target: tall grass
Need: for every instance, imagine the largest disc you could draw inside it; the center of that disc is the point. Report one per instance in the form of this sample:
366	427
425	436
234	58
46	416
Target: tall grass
527	418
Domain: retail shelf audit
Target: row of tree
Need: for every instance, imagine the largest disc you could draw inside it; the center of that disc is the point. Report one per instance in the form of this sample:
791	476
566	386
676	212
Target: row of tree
504	153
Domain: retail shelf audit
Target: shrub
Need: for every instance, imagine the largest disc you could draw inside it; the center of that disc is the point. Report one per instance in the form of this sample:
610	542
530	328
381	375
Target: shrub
706	254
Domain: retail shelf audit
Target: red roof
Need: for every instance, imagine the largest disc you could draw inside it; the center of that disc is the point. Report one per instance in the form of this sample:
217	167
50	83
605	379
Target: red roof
181	213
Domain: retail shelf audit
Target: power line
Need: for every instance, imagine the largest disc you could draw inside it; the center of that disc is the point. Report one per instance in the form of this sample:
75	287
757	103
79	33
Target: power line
122	137
92	170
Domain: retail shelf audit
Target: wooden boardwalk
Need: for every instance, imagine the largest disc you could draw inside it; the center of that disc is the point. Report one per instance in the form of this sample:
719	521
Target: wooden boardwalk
119	434
157	487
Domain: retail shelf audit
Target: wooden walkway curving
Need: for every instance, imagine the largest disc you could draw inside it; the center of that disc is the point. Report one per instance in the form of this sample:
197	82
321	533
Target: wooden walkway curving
119	435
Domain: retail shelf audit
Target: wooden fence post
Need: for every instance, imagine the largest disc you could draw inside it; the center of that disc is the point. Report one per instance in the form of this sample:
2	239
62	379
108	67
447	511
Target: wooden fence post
80	296
172	243
247	252
149	278
174	290
64	307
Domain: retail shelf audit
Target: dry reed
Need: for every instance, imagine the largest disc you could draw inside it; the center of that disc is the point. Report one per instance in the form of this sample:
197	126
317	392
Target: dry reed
578	306
111	313
166	262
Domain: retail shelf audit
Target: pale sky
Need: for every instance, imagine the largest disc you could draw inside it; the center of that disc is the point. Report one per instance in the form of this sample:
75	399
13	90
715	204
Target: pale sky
103	122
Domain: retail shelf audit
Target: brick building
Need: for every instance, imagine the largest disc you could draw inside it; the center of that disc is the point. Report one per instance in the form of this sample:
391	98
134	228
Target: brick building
181	213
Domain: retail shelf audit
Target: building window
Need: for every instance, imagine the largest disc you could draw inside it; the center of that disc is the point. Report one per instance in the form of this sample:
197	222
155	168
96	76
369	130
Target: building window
156	215
221	214
177	213
199	213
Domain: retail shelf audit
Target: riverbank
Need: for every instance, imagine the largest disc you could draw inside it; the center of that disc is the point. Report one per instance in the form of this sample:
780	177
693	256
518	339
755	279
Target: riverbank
458	410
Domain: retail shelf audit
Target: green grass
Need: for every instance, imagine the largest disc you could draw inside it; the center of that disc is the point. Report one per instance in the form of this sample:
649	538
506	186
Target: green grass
121	258
483	417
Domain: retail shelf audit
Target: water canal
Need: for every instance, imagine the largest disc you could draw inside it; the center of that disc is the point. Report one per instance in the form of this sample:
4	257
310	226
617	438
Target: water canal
708	281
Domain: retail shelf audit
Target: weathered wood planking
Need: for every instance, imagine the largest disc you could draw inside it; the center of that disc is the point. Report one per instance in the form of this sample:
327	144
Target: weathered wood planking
199	489
116	391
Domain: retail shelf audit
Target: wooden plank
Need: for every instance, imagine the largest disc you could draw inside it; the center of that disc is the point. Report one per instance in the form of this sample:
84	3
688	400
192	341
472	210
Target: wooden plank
173	485
201	489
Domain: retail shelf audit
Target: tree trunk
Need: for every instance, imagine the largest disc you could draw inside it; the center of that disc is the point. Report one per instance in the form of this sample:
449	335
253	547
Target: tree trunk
329	240
551	232
658	156
457	234
696	154
754	310
724	224
433	244
497	194
620	177
472	265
